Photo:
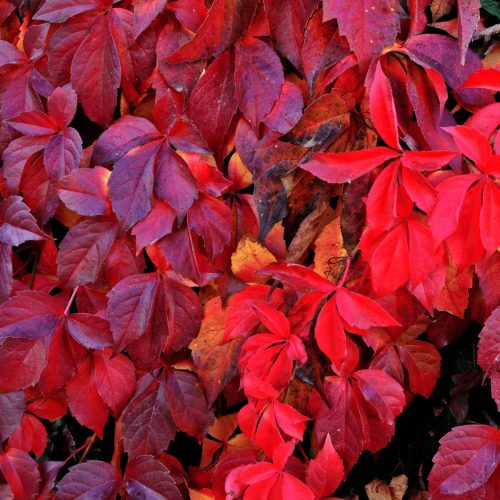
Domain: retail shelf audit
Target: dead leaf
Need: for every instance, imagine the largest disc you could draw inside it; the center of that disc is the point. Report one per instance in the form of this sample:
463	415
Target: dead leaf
329	258
250	257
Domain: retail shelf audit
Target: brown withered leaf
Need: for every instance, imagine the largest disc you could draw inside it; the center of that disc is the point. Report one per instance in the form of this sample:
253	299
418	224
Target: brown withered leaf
329	258
308	230
380	490
324	119
216	363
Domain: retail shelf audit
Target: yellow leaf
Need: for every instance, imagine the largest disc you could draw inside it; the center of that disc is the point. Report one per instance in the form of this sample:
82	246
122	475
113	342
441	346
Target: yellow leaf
250	257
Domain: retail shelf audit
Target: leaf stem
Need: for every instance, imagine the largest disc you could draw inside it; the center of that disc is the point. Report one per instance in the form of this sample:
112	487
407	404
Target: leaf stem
89	443
70	301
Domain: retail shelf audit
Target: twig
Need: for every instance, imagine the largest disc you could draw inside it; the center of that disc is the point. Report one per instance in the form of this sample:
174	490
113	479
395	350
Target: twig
89	443
487	33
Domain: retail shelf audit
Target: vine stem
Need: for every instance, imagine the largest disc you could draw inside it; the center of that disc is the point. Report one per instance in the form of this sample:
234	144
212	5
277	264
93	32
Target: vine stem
89	444
70	301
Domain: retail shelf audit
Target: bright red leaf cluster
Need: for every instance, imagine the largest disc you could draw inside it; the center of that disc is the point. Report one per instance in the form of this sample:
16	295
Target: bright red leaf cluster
254	223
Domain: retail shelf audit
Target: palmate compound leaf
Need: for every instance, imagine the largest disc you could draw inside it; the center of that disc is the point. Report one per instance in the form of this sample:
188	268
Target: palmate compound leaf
466	465
151	313
268	480
144	164
361	413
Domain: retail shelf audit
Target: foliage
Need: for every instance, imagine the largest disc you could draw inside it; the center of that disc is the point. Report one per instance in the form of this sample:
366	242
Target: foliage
243	243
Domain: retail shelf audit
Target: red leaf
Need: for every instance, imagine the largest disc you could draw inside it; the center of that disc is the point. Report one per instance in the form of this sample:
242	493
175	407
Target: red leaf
30	315
5	271
325	471
139	305
58	11
258	78
83	250
225	23
338	168
30	437
369	26
158	223
298	277
33	123
21	473
23	361
330	335
147	477
17	225
362	414
62	104
472	144
147	423
488	354
287	110
145	12
188	404
287	20
212	219
131	184
323	47
361	312
12	405
114	378
84	401
484	79
382	109
241	317
85	191
92	479
174	182
97	89
466	464
121	137
422	362
16	156
213	103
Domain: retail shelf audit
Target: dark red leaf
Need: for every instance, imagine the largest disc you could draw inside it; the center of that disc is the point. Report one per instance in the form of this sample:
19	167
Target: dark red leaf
92	478
145	476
